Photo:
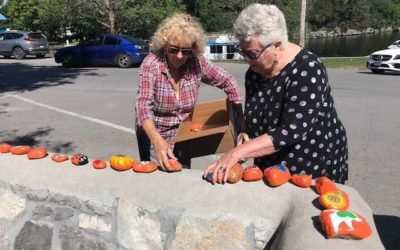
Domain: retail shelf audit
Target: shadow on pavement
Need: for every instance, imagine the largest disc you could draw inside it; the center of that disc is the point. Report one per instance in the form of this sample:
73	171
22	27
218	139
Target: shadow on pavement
388	227
23	77
35	139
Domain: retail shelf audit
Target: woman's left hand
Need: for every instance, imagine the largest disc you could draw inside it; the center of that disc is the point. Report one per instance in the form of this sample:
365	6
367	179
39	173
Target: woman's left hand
223	165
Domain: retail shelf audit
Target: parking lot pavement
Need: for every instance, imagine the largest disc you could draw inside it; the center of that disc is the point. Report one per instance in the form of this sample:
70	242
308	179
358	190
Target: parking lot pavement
90	110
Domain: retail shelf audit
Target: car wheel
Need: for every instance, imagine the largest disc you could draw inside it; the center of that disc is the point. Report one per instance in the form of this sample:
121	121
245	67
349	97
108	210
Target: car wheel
377	71
66	61
124	61
18	53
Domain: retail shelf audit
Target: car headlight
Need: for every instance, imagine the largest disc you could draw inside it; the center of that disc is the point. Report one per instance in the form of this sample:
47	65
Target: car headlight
397	57
139	47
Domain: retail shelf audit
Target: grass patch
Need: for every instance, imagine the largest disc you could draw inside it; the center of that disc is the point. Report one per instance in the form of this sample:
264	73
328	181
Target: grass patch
330	62
345	62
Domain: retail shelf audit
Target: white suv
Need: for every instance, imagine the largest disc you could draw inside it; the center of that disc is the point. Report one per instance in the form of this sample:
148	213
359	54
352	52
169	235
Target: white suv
380	61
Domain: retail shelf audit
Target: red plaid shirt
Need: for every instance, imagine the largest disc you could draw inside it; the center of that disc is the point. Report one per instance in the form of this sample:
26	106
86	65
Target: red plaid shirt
156	98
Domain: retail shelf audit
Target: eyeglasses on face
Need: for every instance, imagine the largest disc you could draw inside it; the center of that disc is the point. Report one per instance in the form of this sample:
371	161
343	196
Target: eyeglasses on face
184	51
252	54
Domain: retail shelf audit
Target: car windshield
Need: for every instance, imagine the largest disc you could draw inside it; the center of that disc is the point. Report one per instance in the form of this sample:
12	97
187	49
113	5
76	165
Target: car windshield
36	35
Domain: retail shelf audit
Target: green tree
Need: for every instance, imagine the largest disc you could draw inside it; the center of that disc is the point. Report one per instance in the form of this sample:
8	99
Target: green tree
24	14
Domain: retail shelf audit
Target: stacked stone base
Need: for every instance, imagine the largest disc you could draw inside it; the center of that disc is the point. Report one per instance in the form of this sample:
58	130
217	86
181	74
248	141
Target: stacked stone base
47	205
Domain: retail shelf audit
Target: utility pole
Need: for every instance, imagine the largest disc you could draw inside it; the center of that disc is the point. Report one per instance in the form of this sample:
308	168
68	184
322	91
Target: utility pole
302	32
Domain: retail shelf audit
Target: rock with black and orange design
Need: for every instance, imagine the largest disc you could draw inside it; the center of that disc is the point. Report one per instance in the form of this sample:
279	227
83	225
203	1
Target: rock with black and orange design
79	159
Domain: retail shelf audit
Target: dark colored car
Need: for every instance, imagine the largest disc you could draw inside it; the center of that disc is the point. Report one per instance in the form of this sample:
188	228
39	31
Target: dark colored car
21	43
105	49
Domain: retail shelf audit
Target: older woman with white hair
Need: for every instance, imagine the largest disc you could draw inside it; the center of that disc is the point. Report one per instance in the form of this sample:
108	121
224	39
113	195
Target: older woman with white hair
289	112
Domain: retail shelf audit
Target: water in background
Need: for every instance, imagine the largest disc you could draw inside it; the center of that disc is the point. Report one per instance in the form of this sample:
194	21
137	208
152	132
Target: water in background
360	45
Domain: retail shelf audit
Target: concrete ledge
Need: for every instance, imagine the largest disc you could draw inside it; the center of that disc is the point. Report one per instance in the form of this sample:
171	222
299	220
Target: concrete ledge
127	209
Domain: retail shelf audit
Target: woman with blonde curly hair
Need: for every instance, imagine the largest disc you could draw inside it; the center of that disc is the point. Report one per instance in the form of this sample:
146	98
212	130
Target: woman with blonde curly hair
170	79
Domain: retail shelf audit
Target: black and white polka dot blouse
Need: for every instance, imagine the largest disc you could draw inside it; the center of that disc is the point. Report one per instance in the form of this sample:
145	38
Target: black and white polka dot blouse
296	109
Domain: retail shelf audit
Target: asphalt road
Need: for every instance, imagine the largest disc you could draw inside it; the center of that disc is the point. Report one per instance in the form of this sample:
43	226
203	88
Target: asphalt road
90	110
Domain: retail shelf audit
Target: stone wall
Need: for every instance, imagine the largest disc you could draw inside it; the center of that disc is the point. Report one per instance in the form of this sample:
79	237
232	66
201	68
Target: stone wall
47	205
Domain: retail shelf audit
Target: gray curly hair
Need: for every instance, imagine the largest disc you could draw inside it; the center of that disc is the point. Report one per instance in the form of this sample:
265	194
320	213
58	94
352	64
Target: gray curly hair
262	21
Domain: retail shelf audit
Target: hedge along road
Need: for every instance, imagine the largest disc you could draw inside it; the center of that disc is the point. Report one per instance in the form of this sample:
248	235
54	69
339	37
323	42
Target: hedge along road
91	110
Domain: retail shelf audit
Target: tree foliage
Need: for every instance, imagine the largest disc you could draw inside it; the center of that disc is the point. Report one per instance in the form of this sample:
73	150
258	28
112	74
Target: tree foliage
140	18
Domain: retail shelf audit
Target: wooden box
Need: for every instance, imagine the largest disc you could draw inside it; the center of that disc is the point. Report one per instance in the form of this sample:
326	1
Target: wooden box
218	132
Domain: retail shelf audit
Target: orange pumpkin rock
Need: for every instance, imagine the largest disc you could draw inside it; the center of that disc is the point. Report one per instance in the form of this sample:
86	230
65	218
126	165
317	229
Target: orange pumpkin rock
335	200
99	164
121	162
196	127
144	166
302	180
174	165
20	150
236	173
37	153
252	173
277	175
79	159
344	224
324	184
59	157
5	148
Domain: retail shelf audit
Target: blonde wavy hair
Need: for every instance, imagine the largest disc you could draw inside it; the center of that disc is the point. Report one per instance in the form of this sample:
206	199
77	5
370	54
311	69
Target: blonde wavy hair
179	27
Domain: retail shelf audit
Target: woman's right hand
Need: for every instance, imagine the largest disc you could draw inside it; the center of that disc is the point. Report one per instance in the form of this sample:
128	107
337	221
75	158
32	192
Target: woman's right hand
163	153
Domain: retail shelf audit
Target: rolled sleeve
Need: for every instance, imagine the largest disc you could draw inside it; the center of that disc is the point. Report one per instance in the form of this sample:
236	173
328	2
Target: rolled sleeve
218	77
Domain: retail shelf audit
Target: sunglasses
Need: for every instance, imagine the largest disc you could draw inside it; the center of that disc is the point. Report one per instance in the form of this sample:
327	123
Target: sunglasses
184	51
252	54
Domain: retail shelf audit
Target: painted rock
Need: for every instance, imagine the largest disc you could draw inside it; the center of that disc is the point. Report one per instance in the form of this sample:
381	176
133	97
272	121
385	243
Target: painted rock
196	127
174	165
302	180
5	148
20	150
121	162
235	174
99	164
344	224
37	153
220	176
252	173
79	159
324	184
335	200
59	157
144	166
277	175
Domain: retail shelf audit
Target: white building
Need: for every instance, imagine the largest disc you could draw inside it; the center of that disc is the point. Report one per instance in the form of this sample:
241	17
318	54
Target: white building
221	47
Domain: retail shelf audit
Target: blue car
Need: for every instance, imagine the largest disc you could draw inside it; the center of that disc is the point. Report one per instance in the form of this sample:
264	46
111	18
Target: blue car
105	49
